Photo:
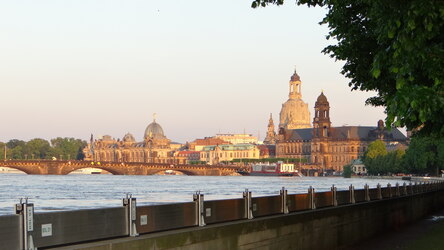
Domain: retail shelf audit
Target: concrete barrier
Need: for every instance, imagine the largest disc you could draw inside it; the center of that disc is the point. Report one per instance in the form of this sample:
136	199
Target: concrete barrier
321	220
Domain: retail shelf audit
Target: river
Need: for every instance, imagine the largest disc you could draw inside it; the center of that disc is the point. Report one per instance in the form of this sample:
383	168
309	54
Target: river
67	192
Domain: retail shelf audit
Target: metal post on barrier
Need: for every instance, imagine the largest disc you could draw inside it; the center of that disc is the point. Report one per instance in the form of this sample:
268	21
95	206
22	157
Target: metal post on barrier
284	205
404	189
334	200
379	191
311	198
389	189
352	194
411	188
248	206
130	204
26	212
198	198
367	192
398	193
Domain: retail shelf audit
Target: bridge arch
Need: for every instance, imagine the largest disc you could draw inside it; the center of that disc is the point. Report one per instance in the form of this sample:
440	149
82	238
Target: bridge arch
4	169
184	172
112	170
90	170
24	169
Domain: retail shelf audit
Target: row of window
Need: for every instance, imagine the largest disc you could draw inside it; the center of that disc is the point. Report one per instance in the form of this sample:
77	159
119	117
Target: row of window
298	148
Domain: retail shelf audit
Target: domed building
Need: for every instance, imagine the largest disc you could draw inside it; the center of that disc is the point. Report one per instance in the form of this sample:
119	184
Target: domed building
155	147
294	113
328	148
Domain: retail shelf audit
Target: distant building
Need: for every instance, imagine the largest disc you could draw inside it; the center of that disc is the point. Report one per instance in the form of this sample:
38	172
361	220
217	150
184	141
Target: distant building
322	145
330	147
228	152
199	144
187	156
155	147
237	138
267	151
358	167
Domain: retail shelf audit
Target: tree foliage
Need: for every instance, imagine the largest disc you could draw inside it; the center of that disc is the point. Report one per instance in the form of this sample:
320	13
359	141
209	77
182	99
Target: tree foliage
347	173
395	48
378	161
66	148
425	155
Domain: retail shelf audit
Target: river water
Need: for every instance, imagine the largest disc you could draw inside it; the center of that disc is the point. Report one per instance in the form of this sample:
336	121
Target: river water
67	192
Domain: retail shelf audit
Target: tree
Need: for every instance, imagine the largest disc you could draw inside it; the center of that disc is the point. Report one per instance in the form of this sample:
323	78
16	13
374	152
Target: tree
425	155
347	173
2	150
37	148
67	148
395	48
374	157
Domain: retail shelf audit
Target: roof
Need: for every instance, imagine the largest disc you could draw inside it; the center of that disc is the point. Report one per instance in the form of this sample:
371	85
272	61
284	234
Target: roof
350	132
209	141
301	134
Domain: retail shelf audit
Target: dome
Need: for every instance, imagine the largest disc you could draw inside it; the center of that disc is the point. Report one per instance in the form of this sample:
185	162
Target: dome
129	138
322	98
154	130
294	114
295	77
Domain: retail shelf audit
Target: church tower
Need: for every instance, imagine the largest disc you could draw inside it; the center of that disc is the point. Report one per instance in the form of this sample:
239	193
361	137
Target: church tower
320	154
271	133
321	121
294	113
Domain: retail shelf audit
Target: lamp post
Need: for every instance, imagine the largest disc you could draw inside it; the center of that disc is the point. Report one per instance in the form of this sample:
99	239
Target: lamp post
5	153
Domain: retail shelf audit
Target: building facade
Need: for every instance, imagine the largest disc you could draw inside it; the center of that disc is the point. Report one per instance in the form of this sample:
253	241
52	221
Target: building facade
220	153
237	138
155	148
327	147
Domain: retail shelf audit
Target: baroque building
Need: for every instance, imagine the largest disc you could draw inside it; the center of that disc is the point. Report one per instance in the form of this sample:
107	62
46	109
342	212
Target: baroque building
155	148
327	147
294	113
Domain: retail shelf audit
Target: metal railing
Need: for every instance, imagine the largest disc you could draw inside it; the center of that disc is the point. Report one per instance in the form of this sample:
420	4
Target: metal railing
29	230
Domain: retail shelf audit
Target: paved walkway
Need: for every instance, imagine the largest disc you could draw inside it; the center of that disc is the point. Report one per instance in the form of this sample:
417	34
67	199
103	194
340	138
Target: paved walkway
425	234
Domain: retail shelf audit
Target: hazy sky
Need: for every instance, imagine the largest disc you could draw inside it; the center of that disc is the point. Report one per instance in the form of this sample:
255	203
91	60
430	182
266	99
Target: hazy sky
75	67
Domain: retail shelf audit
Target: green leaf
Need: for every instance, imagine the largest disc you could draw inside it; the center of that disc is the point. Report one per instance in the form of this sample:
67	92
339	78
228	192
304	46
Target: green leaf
400	83
376	73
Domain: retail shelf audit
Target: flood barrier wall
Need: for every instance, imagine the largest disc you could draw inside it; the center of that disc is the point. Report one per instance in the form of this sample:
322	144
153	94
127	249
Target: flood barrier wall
286	220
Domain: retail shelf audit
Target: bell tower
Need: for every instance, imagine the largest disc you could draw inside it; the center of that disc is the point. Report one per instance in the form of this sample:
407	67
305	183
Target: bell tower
321	121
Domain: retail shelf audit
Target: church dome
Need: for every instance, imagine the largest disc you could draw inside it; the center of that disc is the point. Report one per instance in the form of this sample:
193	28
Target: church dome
322	98
294	114
295	77
129	138
154	130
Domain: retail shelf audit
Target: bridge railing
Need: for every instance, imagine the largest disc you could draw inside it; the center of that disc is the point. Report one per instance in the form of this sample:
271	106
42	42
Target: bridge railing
27	230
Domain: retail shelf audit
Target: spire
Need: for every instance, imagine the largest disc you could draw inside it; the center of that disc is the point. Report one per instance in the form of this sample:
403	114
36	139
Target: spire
154	117
271	134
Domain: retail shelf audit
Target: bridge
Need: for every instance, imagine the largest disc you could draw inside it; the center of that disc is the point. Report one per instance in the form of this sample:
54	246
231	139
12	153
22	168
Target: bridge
47	167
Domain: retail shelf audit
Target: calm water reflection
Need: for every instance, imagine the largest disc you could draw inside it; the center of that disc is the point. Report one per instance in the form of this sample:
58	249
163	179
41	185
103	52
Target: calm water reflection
55	192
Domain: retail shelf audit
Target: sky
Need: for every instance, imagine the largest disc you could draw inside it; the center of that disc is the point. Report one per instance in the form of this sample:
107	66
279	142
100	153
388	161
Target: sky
73	68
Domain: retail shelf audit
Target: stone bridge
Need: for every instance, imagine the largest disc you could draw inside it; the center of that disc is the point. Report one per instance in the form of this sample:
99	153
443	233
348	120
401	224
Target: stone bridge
47	167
